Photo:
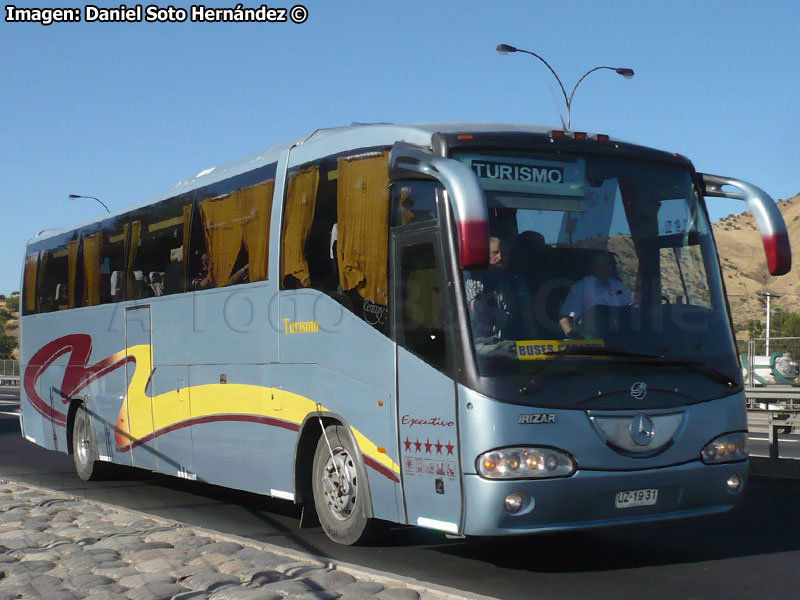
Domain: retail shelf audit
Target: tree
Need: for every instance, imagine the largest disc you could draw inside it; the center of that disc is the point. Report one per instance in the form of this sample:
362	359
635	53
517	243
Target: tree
7	345
13	303
755	328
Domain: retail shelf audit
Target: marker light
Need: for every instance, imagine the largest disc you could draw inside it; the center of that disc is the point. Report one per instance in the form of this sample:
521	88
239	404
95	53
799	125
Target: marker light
557	133
726	448
602	137
525	463
579	135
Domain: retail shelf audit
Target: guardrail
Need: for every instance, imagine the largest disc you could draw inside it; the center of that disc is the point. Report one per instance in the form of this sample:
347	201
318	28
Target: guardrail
9	367
776	421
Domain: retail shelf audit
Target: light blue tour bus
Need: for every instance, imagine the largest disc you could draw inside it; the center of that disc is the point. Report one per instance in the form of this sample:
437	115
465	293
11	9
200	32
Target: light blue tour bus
485	329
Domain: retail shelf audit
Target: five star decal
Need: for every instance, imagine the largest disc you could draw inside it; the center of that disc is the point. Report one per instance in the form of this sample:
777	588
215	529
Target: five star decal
437	447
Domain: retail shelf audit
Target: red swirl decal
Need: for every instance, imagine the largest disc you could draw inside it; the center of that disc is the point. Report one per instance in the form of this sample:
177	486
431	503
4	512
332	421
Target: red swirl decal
77	375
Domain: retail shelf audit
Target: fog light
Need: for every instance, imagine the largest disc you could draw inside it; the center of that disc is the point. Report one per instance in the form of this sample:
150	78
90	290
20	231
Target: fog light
514	502
734	484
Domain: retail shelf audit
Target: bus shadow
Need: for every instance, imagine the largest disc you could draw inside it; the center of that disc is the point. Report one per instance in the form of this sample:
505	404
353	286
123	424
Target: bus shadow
763	524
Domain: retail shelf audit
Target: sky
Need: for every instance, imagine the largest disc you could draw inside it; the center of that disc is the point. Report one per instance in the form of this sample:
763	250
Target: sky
124	111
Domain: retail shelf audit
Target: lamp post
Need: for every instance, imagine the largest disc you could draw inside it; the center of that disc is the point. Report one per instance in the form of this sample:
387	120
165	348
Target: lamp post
768	296
624	71
74	196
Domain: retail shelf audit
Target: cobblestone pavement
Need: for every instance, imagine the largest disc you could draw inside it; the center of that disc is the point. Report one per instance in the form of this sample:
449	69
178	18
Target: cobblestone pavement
57	547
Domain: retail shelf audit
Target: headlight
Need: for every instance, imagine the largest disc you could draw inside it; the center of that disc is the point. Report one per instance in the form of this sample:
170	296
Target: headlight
525	463
726	448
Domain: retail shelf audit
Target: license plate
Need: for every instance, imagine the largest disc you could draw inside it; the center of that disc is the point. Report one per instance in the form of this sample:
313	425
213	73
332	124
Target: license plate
636	498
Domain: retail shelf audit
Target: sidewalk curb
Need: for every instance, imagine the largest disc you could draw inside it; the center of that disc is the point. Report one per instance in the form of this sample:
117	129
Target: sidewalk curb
427	591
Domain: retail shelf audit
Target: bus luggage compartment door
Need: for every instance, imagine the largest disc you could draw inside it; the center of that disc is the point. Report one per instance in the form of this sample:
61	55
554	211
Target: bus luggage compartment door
426	396
139	403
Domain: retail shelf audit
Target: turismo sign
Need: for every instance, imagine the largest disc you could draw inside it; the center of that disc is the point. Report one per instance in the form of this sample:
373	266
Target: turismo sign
562	179
505	171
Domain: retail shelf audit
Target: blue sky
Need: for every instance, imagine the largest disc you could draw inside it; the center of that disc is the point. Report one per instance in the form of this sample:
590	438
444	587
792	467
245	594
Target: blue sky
123	111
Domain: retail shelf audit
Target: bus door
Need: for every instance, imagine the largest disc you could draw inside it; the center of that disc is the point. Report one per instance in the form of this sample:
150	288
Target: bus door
139	372
426	395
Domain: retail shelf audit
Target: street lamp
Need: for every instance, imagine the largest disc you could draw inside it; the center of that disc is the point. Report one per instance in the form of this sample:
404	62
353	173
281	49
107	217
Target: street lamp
768	296
74	196
625	72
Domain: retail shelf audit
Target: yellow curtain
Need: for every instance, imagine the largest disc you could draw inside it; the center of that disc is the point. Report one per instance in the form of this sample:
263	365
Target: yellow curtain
301	198
92	245
31	264
187	229
44	303
255	204
424	302
133	247
72	261
223	232
363	230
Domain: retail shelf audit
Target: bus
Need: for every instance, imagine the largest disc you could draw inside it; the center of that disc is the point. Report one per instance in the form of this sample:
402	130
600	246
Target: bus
484	329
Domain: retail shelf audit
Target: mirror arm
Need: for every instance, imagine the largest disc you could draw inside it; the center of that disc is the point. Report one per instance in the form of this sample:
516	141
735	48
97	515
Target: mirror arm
464	193
774	234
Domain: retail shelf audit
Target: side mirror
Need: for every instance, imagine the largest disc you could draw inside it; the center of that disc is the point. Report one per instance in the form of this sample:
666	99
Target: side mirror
770	222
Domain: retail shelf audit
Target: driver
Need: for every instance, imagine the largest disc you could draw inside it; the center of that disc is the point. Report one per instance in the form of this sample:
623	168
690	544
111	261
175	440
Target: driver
600	287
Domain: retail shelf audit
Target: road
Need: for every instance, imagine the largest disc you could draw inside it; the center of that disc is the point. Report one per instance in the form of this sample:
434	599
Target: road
751	552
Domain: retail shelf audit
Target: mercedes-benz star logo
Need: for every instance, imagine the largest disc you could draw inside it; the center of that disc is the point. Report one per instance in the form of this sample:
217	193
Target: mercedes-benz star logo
639	390
642	430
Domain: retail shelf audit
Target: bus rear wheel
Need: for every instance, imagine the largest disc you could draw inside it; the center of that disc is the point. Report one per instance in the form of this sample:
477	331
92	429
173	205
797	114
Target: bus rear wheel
84	447
338	496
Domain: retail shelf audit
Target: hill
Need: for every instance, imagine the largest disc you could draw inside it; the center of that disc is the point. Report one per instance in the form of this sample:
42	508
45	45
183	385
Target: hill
9	328
745	267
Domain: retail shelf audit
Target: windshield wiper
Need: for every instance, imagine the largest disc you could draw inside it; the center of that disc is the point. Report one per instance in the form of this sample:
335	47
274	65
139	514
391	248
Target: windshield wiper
696	366
649	359
600	351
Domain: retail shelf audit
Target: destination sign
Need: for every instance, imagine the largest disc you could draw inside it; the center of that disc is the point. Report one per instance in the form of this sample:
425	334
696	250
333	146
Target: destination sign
507	171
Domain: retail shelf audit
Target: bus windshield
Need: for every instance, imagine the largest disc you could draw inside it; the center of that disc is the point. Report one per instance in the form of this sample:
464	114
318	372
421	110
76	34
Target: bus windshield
597	265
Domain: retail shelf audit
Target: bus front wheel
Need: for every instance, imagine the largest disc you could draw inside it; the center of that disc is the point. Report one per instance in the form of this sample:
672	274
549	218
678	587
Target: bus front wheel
84	446
338	495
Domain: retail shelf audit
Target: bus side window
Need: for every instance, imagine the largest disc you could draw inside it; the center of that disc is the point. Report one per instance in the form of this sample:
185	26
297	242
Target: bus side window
56	277
29	283
413	202
159	236
103	250
336	232
420	327
232	237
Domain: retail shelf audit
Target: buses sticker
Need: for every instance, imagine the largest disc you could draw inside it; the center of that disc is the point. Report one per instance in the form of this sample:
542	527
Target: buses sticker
544	349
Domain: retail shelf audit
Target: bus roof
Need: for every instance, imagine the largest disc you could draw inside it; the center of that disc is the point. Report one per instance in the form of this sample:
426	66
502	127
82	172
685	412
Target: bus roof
419	133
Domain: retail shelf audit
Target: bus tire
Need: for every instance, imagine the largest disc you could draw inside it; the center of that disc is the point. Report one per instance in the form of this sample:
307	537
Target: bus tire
84	446
338	497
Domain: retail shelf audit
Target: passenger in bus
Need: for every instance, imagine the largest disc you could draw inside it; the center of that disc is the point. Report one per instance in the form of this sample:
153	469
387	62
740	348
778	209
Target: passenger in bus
205	278
600	287
499	298
157	283
477	281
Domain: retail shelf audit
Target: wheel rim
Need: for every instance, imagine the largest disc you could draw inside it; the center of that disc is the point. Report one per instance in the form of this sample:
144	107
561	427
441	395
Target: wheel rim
83	442
339	485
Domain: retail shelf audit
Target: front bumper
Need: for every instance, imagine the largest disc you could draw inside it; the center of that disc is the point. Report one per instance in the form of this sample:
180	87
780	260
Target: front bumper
587	498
